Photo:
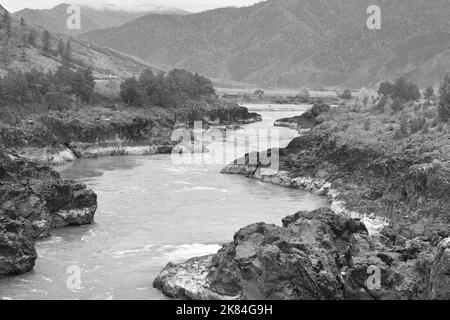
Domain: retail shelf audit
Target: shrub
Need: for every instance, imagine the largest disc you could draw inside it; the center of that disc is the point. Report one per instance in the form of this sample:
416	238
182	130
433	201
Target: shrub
444	99
166	90
425	128
367	125
259	93
429	93
346	94
417	124
398	104
131	92
402	89
404	124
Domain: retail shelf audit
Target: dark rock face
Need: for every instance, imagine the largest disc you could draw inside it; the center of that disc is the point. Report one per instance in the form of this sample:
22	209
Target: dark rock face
307	120
17	253
440	271
315	255
34	199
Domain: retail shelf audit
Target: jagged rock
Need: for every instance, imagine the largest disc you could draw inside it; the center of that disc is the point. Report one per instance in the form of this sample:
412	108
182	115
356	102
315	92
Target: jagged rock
188	280
78	210
315	255
305	121
440	272
17	252
34	199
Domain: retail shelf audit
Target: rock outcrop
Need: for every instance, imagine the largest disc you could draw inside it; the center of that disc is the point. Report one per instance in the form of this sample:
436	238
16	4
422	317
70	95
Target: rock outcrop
34	199
58	137
385	235
306	121
17	252
314	256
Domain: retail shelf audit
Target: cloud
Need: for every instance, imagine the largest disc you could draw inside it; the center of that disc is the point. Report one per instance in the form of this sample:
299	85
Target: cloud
132	5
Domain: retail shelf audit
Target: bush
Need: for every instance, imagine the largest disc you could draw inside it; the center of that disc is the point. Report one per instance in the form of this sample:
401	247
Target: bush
417	124
166	90
404	125
20	88
259	93
425	128
131	92
398	104
429	93
401	89
444	99
346	94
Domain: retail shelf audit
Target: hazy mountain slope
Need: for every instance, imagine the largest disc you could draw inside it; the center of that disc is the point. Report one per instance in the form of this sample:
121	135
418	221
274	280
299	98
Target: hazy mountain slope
424	59
229	42
110	67
289	42
91	19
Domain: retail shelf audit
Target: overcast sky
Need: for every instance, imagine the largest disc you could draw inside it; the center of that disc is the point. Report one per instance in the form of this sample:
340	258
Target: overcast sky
190	5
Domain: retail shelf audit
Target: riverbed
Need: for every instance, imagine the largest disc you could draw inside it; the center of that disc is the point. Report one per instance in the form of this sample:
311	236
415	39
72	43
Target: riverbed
153	210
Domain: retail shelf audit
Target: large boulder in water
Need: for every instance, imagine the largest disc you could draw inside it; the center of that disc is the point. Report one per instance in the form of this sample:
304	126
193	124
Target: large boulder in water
79	209
17	252
34	199
315	256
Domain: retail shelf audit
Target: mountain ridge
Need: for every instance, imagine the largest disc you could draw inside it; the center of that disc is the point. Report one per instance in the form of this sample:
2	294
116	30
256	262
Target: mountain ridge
284	43
92	18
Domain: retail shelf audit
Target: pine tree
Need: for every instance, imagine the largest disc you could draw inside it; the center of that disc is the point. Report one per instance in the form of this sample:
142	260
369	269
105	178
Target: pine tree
6	23
46	45
444	99
5	54
68	52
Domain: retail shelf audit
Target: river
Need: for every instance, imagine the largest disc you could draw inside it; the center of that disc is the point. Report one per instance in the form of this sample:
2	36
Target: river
153	210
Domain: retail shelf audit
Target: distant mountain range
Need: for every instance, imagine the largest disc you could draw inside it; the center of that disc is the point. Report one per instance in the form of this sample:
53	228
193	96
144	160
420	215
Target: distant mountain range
296	43
91	18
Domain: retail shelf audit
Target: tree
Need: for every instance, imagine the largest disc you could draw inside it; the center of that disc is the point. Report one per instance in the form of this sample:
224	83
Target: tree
444	99
22	22
61	48
429	93
386	88
32	38
82	83
46	45
6	23
131	92
346	94
5	52
259	93
401	89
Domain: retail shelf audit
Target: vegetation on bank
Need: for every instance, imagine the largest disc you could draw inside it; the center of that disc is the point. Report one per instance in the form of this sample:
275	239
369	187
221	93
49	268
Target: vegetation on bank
166	90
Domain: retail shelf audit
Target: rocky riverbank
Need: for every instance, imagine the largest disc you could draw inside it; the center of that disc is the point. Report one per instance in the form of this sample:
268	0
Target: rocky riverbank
86	132
384	237
33	200
306	121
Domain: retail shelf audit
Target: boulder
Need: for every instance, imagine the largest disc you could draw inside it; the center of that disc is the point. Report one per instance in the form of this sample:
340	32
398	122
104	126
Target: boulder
315	255
34	199
17	252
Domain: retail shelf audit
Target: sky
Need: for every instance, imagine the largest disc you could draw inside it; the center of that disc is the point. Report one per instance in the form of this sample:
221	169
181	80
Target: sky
135	5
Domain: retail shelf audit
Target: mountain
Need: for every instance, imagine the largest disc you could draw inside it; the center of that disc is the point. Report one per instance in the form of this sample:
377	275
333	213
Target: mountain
23	50
295	43
91	18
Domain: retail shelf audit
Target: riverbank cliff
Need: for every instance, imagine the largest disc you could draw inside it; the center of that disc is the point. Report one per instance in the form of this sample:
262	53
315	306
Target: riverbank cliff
385	235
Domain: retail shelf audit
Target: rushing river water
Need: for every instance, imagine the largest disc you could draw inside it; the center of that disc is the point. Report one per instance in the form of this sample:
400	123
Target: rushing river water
152	211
